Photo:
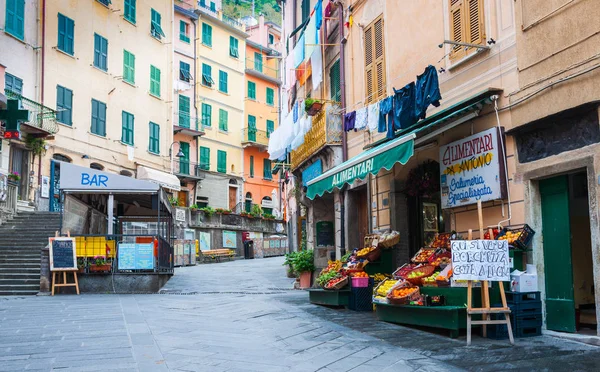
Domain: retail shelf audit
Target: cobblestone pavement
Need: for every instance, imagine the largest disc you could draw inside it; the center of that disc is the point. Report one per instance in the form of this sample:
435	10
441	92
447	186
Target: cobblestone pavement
242	316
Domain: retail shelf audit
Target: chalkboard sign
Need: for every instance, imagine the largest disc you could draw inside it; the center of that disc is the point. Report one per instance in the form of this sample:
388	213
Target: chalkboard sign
480	260
62	254
325	234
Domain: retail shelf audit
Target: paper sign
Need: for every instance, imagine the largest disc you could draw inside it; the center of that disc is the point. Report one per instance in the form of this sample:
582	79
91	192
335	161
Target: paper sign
480	260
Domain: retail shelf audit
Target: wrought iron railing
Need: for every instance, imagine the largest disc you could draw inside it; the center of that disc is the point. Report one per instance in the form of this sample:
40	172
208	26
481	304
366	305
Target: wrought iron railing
9	204
232	22
40	116
189	168
326	130
261	67
185	120
255	137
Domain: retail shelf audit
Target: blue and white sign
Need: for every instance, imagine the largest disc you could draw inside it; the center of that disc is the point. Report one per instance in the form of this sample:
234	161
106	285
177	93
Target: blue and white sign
313	171
76	178
471	169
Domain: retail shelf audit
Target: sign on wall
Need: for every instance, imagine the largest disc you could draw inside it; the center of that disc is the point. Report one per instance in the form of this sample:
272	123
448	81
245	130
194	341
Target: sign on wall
229	239
136	256
472	169
45	187
325	234
480	260
312	171
204	241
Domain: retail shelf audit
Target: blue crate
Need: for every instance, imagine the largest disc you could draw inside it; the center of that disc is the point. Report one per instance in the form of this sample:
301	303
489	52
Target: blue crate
527	321
528	332
523	308
361	299
522	297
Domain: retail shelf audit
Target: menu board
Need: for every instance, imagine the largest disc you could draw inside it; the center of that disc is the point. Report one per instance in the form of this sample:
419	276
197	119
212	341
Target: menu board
62	254
126	256
325	233
480	260
136	256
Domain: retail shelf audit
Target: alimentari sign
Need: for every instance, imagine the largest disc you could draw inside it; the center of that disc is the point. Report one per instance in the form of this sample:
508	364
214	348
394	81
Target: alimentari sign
359	170
472	169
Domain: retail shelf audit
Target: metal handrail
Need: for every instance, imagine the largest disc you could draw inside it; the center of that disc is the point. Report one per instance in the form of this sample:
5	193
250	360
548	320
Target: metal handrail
255	136
265	70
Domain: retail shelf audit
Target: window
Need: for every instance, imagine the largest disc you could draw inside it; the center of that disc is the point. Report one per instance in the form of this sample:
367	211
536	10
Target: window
223	81
207	75
233	47
213	6
127	129
98	118
204	158
305	9
154	141
271	39
221	161
154	81
466	26
375	81
66	28
64	105
129	10
184	111
203	3
251	128
184	72
206	115
100	52
61	157
105	2
13	83
251	168
15	18
207	34
155	28
267	169
270	97
251	90
126	173
184	162
270	128
184	32
258	63
97	166
334	82
128	67
223	119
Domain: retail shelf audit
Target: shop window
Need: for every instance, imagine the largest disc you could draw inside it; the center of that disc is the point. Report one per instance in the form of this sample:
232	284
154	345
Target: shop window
375	80
466	26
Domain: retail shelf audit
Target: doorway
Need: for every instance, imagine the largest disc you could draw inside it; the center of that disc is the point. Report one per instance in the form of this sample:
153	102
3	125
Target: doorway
233	190
20	164
568	263
358	218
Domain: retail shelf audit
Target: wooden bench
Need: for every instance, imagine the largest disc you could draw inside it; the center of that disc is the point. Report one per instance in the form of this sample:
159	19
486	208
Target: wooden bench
215	255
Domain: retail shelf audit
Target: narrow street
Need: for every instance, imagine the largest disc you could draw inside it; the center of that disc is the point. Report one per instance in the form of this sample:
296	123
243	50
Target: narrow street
243	316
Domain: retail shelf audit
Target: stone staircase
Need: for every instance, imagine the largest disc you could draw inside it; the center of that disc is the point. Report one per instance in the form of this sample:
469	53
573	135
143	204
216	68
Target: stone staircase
21	242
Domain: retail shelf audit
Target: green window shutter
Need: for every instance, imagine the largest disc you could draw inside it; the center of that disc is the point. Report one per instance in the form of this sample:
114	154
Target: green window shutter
184	111
130	10
184	72
15	18
98	118
270	127
128	67
154	140
154	81
223	119
271	39
127	128
267	169
206	115
251	90
251	128
155	27
64	105
223	81
270	96
65	34
233	47
213	6
221	161
100	52
207	34
183	32
305	9
334	82
258	63
13	83
207	75
204	158
251	166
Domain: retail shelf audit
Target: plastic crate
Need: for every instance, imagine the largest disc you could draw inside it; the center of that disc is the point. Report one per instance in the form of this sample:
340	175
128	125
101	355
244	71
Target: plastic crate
361	299
525	236
360	282
526	308
527	321
520	297
528	332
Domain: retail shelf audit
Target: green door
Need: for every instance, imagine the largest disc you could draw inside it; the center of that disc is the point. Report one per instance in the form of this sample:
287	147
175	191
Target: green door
184	162
558	269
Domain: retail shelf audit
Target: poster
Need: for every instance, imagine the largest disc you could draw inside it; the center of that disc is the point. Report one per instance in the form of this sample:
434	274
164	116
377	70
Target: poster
126	256
472	169
480	260
229	239
45	187
204	241
144	256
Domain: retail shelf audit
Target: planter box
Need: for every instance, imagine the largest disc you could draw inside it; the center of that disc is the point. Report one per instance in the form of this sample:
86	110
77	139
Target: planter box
99	268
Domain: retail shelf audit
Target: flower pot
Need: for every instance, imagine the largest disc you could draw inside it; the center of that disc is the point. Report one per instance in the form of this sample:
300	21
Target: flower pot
12	182
99	268
305	279
314	108
290	272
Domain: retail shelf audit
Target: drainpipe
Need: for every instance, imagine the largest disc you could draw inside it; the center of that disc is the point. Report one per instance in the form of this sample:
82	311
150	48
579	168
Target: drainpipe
196	107
343	78
42	83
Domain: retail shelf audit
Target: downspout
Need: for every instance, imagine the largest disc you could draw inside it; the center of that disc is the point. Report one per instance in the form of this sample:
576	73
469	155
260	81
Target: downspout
42	84
344	137
196	107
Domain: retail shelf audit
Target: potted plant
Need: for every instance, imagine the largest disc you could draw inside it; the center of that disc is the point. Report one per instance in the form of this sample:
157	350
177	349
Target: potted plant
268	216
304	266
194	207
312	106
245	214
208	211
99	263
289	261
81	264
222	211
14	178
256	211
173	200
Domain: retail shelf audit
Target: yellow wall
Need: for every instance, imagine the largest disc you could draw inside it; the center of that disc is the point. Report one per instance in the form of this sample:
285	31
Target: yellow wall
78	74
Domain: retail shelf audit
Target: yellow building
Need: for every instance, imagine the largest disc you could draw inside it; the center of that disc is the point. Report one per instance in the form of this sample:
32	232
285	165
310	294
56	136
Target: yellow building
220	64
107	68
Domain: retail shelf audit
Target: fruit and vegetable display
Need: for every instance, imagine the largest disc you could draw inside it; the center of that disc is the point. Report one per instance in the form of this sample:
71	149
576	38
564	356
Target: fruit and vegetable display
384	288
441	261
403	292
332	283
441	241
431	280
360	274
415	274
510	236
379	277
333	266
423	255
403	270
365	251
494	234
325	277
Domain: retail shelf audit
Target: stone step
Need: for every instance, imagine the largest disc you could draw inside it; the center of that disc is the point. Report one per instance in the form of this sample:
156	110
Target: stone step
29	265
20	276
26	287
19	270
19	292
13	282
20	260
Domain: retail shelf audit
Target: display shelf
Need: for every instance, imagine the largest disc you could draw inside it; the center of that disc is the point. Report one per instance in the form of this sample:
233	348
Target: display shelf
319	296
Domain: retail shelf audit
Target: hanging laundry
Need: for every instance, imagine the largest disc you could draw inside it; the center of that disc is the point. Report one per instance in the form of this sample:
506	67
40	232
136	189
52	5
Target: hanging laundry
299	52
349	121
303	72
427	91
316	61
290	68
373	117
328	9
404	107
361	119
386	107
319	13
310	37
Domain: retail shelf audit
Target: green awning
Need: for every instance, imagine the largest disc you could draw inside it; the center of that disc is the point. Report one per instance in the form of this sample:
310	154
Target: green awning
371	161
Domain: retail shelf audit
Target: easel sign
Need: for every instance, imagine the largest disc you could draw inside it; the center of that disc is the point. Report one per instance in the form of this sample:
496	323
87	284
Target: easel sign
63	258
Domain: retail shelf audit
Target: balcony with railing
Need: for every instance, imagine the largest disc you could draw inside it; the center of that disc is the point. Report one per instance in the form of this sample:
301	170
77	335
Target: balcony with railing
42	119
255	137
184	123
212	11
260	69
189	170
326	130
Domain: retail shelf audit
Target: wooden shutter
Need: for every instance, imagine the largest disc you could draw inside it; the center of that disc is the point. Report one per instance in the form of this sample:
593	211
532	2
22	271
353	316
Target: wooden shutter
474	22
379	49
457	28
369	70
466	25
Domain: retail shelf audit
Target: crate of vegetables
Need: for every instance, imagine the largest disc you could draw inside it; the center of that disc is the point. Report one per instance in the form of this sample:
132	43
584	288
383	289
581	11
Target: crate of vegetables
441	258
416	275
403	295
518	237
403	270
337	283
430	281
423	255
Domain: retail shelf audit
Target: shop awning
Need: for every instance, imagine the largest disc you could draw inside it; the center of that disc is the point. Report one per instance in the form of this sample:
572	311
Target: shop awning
166	180
371	161
77	179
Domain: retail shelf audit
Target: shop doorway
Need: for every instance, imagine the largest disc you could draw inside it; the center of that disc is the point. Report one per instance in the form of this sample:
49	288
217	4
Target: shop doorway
358	218
568	263
20	164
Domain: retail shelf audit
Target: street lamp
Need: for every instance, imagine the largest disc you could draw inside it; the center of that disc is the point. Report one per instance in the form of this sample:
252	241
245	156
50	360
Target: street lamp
180	153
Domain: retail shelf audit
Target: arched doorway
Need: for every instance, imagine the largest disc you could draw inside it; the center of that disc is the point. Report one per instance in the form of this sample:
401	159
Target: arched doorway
233	191
248	203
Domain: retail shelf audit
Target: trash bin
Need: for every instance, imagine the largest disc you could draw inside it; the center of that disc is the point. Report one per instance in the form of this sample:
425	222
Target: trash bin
249	249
